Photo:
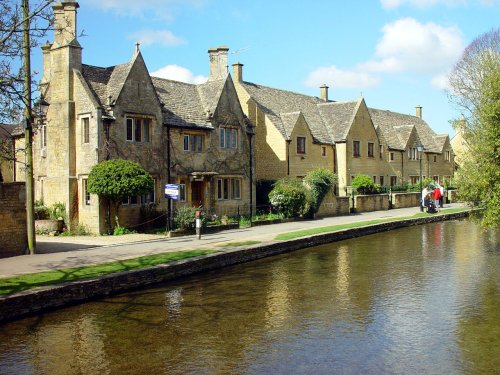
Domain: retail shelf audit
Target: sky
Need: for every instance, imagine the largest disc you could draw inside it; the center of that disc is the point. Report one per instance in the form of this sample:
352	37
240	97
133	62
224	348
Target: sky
394	53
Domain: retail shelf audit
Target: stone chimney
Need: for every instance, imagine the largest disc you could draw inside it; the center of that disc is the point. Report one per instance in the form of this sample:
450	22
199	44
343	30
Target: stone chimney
65	27
418	111
218	62
238	72
324	92
46	59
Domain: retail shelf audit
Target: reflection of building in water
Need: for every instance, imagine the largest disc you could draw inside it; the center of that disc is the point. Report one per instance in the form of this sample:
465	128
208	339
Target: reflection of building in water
72	348
277	299
342	279
173	302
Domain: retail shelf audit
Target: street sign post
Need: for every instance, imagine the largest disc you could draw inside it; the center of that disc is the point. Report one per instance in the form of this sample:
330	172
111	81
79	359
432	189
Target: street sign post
172	191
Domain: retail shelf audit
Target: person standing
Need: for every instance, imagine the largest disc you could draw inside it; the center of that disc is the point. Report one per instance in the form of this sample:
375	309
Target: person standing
437	195
441	195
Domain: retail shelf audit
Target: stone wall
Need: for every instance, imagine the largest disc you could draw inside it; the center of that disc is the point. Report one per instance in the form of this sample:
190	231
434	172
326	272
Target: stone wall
403	200
375	202
333	206
13	237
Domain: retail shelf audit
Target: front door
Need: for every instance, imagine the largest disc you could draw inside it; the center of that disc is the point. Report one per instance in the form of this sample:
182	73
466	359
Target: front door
197	193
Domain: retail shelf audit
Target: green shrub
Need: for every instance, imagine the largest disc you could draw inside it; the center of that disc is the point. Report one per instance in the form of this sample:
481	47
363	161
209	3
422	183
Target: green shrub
363	184
319	182
79	230
58	210
290	197
185	217
41	211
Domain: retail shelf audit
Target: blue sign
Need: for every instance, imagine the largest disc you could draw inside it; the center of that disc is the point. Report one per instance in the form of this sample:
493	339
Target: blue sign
172	191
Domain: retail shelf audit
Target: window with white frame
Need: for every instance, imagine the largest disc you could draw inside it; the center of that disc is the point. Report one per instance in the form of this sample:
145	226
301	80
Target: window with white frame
412	153
301	145
85	130
149	198
85	192
43	134
138	129
228	137
182	191
193	142
228	188
447	156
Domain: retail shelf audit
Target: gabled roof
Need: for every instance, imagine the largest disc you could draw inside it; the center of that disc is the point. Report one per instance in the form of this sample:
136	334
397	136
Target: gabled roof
106	82
276	103
387	121
289	120
7	131
440	140
338	117
183	102
403	134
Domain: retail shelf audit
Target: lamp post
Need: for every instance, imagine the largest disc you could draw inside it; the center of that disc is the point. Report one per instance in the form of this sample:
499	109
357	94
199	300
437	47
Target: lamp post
419	149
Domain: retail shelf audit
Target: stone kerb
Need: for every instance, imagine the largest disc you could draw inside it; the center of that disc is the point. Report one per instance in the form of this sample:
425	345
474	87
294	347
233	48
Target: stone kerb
13	236
403	200
372	202
39	299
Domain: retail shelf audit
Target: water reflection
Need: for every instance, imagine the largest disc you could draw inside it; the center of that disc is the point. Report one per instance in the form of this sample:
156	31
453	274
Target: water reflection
416	300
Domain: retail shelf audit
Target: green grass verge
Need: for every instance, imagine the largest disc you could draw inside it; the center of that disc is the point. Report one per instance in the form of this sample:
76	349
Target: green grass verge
357	224
23	282
241	243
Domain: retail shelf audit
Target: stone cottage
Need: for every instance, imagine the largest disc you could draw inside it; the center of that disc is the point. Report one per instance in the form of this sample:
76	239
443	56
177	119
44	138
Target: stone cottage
194	135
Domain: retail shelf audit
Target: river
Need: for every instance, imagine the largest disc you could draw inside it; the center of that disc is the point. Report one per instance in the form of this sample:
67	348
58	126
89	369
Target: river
417	300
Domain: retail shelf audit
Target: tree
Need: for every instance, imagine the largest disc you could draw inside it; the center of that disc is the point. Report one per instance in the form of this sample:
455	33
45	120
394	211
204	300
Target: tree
117	179
475	88
319	181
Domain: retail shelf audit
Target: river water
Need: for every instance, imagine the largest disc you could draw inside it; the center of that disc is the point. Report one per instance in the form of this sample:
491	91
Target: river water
418	300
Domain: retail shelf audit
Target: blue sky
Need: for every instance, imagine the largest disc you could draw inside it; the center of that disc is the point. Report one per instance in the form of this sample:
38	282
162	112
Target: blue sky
396	53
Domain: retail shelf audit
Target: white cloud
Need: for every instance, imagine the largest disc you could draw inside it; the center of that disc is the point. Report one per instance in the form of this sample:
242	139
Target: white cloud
441	81
179	73
408	45
333	76
162	37
391	4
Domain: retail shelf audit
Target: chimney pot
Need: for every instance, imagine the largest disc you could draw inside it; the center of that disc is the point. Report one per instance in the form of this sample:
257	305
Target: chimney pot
324	92
418	111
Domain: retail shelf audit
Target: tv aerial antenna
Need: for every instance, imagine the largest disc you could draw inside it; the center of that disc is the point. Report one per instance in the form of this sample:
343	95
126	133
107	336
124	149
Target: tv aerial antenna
236	52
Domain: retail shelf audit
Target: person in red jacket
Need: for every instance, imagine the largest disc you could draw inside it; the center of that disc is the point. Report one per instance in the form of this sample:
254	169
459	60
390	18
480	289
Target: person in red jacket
437	195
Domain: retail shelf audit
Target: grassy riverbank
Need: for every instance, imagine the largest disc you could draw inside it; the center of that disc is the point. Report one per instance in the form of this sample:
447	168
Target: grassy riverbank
24	282
333	228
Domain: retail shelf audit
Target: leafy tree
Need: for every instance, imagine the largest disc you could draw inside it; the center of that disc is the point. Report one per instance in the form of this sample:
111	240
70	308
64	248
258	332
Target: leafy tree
475	87
117	179
363	184
319	181
290	197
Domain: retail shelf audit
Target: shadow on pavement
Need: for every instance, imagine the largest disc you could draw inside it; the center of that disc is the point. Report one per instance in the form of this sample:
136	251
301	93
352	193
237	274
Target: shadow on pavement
60	247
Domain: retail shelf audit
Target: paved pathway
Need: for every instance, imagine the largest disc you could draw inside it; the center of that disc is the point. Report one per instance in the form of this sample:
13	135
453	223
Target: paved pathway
62	252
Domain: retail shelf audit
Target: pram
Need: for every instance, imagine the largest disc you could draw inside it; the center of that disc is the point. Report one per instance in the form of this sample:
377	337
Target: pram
431	207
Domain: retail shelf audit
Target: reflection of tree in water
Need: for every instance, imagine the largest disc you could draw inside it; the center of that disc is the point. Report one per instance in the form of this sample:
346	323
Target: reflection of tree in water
479	329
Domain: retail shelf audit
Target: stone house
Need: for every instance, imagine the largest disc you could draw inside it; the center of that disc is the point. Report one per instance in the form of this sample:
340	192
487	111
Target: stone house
193	135
295	133
402	133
